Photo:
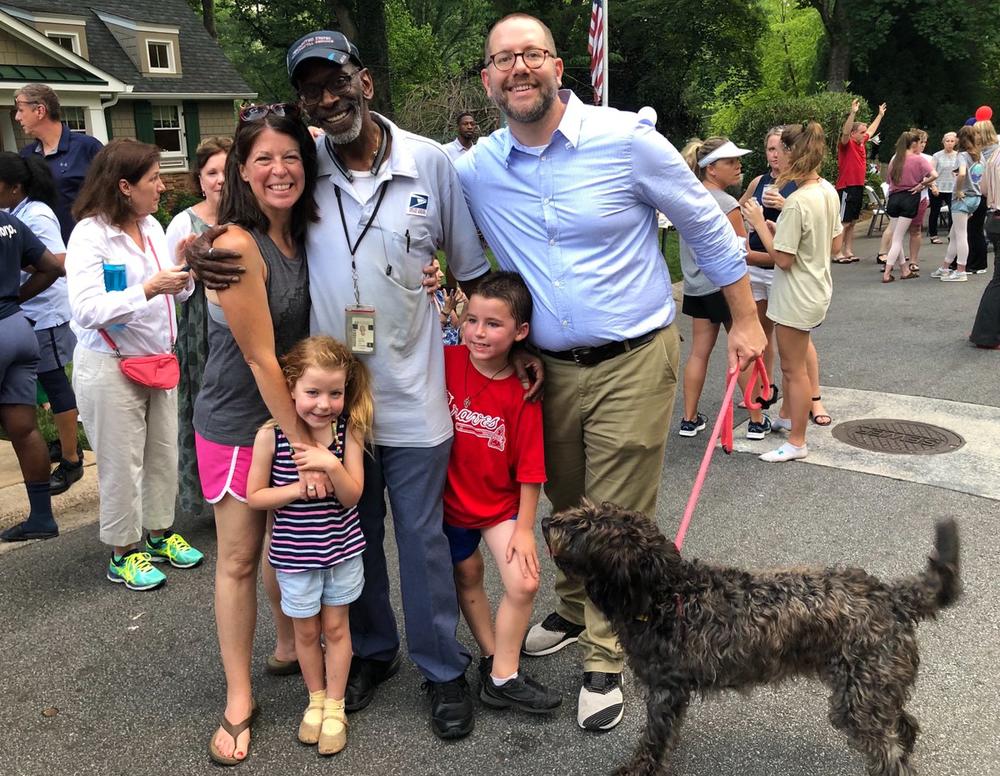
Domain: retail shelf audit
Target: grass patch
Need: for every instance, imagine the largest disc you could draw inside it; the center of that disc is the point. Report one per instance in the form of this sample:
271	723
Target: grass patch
47	428
670	245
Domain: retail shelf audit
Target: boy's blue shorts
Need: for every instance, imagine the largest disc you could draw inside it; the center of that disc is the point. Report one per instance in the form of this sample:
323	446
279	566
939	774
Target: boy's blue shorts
463	541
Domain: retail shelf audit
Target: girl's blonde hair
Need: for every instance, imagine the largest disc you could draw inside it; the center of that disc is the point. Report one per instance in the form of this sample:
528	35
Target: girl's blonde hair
986	134
697	149
906	139
968	141
327	353
806	147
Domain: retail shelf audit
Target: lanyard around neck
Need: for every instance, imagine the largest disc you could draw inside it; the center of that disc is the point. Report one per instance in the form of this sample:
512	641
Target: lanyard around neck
347	237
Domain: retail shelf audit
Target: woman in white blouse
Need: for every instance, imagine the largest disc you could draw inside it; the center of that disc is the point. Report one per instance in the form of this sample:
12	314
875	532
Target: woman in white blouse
123	284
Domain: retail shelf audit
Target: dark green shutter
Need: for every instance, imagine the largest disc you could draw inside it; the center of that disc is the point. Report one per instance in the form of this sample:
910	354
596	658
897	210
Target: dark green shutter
143	112
108	124
192	131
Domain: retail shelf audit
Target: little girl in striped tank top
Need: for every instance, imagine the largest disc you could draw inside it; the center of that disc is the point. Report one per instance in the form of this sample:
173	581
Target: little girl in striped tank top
316	542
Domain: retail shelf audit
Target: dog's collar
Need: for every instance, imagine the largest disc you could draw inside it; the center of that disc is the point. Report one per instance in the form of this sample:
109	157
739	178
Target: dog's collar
678	608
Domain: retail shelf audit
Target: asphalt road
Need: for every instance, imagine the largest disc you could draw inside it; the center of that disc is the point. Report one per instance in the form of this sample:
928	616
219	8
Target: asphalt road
136	685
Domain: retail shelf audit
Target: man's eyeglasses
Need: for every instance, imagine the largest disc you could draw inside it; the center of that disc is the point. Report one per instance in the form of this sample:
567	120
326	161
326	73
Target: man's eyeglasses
533	58
337	84
22	104
257	112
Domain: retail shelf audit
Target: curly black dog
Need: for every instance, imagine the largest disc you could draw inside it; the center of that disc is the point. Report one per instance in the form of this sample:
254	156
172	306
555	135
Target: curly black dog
688	627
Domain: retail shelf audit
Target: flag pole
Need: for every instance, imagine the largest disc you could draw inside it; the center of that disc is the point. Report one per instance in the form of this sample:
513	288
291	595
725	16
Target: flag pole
607	60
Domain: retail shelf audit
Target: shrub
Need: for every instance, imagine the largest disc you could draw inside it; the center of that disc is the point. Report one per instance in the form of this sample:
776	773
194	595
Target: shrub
747	122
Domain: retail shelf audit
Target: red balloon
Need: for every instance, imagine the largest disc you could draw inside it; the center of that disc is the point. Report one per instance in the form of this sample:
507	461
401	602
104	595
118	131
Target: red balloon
984	113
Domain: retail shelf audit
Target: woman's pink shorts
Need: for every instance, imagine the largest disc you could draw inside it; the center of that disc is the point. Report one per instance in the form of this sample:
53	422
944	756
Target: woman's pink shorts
223	469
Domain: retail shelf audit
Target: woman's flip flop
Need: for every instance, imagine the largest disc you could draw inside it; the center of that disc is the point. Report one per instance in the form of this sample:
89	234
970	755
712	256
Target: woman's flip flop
234	731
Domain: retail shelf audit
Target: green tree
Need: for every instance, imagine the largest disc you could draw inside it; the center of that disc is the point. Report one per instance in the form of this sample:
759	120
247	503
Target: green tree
413	50
256	36
788	51
459	28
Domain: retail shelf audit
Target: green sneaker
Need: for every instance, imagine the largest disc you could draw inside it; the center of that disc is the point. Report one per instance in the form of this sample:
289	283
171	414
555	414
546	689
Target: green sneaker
173	548
135	571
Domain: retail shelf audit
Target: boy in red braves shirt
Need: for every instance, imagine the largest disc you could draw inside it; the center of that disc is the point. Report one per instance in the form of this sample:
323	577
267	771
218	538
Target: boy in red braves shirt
495	475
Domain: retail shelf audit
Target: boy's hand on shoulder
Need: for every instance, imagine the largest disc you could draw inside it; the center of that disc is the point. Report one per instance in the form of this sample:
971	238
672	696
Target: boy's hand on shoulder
522	546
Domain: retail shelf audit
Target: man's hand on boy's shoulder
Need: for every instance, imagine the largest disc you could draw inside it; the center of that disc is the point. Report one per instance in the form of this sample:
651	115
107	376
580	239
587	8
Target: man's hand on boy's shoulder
530	371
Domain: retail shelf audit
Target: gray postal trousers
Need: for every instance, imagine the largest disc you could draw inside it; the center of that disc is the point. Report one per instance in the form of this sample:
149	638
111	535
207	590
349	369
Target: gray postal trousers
414	478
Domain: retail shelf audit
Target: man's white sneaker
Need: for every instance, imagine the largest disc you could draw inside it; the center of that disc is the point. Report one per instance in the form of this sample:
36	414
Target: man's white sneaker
550	635
955	277
601	705
787	452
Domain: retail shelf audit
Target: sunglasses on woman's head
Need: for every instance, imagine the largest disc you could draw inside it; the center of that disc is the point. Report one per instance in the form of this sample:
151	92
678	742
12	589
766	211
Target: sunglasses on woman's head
258	112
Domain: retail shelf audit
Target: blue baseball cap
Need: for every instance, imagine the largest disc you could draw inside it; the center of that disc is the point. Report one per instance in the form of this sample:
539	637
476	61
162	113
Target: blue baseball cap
328	45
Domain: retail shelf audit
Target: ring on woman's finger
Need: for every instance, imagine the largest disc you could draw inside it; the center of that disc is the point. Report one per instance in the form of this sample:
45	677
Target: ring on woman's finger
311	487
211	253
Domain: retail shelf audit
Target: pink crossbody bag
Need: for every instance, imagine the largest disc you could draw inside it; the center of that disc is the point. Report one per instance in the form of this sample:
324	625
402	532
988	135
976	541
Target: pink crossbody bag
160	370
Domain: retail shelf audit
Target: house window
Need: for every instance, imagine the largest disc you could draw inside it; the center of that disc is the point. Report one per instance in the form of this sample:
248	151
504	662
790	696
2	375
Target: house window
167	128
67	40
75	118
161	56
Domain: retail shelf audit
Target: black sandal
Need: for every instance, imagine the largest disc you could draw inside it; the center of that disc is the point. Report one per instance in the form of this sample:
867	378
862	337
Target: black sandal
822	419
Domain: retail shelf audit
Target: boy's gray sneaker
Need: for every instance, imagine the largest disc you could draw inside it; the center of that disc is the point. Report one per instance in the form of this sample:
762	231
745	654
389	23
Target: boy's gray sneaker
550	635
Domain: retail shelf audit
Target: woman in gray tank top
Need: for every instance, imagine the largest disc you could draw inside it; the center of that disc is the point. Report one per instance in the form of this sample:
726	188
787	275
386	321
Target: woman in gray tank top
268	196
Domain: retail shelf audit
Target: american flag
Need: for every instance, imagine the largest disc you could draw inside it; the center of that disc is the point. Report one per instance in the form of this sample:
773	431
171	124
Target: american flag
595	47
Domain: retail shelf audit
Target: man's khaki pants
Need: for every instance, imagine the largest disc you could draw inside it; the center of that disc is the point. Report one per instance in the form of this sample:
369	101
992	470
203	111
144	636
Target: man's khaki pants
605	431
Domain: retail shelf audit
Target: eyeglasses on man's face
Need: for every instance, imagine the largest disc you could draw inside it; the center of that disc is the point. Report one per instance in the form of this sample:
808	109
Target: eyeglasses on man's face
25	104
533	58
337	84
257	112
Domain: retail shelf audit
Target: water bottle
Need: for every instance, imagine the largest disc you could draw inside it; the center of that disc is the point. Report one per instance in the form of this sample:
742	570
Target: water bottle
115	280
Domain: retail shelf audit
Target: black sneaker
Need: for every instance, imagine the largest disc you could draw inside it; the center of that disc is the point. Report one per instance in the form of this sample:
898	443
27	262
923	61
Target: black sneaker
452	714
55	451
759	430
690	428
550	635
522	693
64	475
364	676
485	667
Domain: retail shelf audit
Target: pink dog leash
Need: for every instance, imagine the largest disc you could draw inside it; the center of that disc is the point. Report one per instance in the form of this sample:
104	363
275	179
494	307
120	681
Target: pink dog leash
723	431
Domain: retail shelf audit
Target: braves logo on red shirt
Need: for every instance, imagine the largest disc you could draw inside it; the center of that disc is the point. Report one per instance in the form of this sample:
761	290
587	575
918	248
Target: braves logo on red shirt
488	427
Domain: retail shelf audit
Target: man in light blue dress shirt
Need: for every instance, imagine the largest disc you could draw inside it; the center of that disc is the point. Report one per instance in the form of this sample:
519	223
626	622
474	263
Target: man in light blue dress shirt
567	194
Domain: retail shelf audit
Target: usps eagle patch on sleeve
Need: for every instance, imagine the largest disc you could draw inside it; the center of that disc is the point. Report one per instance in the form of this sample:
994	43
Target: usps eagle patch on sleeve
418	205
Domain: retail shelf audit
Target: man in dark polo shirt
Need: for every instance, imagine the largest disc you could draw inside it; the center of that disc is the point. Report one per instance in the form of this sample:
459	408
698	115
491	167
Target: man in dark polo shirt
67	153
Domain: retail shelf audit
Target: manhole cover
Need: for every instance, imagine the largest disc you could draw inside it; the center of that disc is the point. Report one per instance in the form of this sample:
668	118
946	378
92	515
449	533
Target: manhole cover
902	437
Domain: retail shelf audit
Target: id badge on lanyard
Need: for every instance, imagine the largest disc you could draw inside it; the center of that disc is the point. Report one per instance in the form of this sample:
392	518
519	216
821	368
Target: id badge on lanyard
360	328
359	319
